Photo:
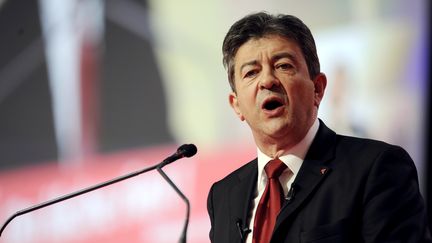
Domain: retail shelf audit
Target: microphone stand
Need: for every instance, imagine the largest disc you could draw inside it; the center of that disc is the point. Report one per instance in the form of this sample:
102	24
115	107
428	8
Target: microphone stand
74	194
184	232
186	150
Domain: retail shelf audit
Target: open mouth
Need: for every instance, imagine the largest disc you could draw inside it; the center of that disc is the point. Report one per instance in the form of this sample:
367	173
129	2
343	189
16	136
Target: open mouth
272	104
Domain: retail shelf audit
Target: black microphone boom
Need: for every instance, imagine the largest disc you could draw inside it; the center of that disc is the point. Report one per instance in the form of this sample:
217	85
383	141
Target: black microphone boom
186	150
171	183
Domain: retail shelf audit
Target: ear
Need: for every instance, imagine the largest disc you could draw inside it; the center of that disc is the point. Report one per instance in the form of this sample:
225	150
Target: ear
235	105
320	83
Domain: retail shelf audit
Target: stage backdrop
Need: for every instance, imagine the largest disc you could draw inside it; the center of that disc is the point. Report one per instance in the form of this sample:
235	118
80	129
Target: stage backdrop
92	90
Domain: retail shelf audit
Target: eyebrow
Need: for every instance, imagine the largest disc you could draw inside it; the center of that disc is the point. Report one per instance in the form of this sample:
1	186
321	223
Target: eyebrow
251	63
284	55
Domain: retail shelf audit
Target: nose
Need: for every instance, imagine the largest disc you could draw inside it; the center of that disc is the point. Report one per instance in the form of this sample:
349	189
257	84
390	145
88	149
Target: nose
269	80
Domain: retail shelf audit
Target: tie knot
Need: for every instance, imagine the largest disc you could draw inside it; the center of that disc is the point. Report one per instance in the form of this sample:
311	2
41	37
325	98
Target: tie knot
274	168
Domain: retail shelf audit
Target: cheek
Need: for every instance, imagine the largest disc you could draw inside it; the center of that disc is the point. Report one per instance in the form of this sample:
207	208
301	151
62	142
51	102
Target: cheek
301	94
248	95
246	105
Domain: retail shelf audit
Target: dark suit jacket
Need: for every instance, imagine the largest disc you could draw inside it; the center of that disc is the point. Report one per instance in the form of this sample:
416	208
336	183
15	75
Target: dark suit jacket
347	190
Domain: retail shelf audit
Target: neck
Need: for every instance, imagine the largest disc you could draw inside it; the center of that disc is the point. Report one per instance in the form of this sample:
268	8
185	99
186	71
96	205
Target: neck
278	146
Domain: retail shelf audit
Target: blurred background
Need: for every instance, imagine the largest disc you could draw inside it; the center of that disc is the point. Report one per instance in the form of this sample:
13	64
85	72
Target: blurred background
91	90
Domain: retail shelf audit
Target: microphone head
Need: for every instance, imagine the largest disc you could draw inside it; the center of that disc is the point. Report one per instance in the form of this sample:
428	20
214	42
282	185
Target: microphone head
187	150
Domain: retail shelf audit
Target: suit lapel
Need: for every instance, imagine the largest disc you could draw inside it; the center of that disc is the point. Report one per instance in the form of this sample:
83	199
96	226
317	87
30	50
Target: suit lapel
241	196
312	173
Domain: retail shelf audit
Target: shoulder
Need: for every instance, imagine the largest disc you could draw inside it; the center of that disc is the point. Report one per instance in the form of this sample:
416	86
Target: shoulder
241	179
328	142
365	146
373	156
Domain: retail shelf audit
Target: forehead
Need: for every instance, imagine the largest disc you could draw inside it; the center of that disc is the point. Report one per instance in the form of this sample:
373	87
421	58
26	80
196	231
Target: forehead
266	46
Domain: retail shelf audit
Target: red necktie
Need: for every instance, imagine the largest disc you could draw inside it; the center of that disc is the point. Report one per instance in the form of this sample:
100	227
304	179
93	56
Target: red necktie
270	203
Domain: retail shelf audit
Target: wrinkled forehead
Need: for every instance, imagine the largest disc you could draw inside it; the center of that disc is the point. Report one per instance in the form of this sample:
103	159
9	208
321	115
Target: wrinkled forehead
269	46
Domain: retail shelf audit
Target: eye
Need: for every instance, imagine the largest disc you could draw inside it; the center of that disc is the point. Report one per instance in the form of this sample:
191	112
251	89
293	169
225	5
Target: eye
284	66
250	73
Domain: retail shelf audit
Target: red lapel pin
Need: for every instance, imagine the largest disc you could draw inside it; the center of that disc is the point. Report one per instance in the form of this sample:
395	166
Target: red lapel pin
323	171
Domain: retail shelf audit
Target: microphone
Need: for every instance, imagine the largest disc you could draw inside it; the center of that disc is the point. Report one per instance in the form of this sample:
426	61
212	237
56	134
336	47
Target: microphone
291	193
242	231
186	150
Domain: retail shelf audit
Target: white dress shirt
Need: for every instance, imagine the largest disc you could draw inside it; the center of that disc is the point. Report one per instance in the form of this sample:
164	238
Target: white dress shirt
293	159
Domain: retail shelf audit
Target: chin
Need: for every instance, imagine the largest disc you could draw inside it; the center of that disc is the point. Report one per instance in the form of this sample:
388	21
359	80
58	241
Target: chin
280	130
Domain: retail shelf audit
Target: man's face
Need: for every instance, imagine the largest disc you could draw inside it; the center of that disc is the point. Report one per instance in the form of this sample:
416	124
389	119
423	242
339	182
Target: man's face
274	92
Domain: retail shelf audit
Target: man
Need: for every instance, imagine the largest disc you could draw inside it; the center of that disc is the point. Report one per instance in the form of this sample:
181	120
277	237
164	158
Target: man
328	187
